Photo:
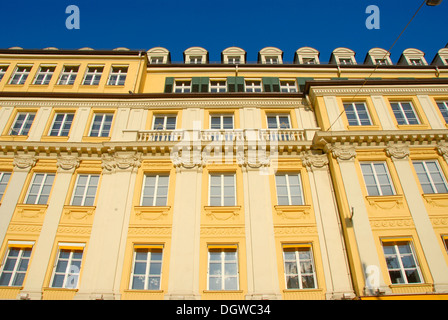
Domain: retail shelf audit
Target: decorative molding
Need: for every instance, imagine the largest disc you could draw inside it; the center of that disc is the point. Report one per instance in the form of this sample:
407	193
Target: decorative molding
391	223
153	231
398	152
442	148
24	162
222	232
222	213
437	200
293	231
122	161
343	152
293	212
151	213
188	160
67	163
315	161
386	202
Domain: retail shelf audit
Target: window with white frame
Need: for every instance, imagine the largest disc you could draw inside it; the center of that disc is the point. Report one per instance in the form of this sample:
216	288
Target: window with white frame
218	86
4	180
381	62
68	75
195	59
117	76
357	114
278	121
182	86
271	59
299	267
15	264
157	60
85	190
377	179
234	60
146	268
443	107
222	190
93	76
155	190
22	123
288	86
221	121
67	267
101	125
401	262
44	75
404	113
430	176
40	188
164	122
223	271
253	86
3	71
308	60
345	61
20	75
61	125
289	189
416	62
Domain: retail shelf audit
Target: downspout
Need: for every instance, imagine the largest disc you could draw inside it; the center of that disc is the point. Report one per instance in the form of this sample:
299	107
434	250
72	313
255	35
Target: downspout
138	72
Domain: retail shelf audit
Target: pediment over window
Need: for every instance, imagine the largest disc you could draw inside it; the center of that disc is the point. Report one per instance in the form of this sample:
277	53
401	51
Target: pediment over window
158	55
306	55
270	55
412	57
196	55
378	56
233	55
343	56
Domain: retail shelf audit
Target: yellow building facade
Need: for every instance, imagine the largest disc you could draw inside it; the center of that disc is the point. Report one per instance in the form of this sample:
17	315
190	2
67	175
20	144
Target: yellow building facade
124	175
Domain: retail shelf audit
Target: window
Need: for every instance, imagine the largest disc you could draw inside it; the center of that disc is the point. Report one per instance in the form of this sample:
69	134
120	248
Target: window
85	190
272	60
93	76
162	122
416	62
234	60
3	71
61	124
15	265
345	61
222	190
147	268
39	190
117	76
299	267
431	177
182	86
221	122
196	59
68	76
20	75
308	60
279	121
404	113
401	262
223	268
101	125
377	179
44	75
443	107
156	60
218	86
445	242
288	86
22	123
4	179
68	267
155	190
381	62
289	189
357	114
253	86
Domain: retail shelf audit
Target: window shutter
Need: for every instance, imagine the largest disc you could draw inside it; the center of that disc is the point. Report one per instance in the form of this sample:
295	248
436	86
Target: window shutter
169	82
195	84
235	84
271	84
301	82
240	84
204	84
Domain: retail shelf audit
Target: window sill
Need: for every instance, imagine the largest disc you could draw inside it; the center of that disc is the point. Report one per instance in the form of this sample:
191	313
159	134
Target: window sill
95	139
13	138
222	291
293	211
54	138
436	199
413	126
362	128
222	212
386	202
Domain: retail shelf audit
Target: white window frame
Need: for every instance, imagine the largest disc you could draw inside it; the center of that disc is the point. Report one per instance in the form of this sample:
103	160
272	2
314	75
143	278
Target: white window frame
234	59
156	195
288	86
119	74
68	273
288	189
221	117
147	274
218	86
165	119
223	275
430	176
22	74
348	61
253	86
69	73
416	62
103	123
64	122
403	114
277	118
44	75
182	86
309	60
157	60
22	246
23	130
195	60
41	185
221	186
272	60
375	177
96	75
356	113
443	107
3	183
297	260
399	255
3	69
85	188
381	61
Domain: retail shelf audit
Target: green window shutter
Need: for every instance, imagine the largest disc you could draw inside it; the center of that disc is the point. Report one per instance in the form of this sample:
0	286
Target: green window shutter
204	84
240	84
169	82
231	84
267	84
301	82
195	84
275	82
339	79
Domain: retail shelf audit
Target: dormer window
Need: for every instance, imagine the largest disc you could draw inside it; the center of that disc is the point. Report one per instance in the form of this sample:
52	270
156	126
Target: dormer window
309	60
234	60
412	57
270	55
196	55
272	60
343	56
196	60
416	62
381	62
345	61
306	55
233	55
158	55
156	60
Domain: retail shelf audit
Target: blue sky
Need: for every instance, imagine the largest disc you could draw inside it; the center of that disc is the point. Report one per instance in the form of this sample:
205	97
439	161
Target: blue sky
216	25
